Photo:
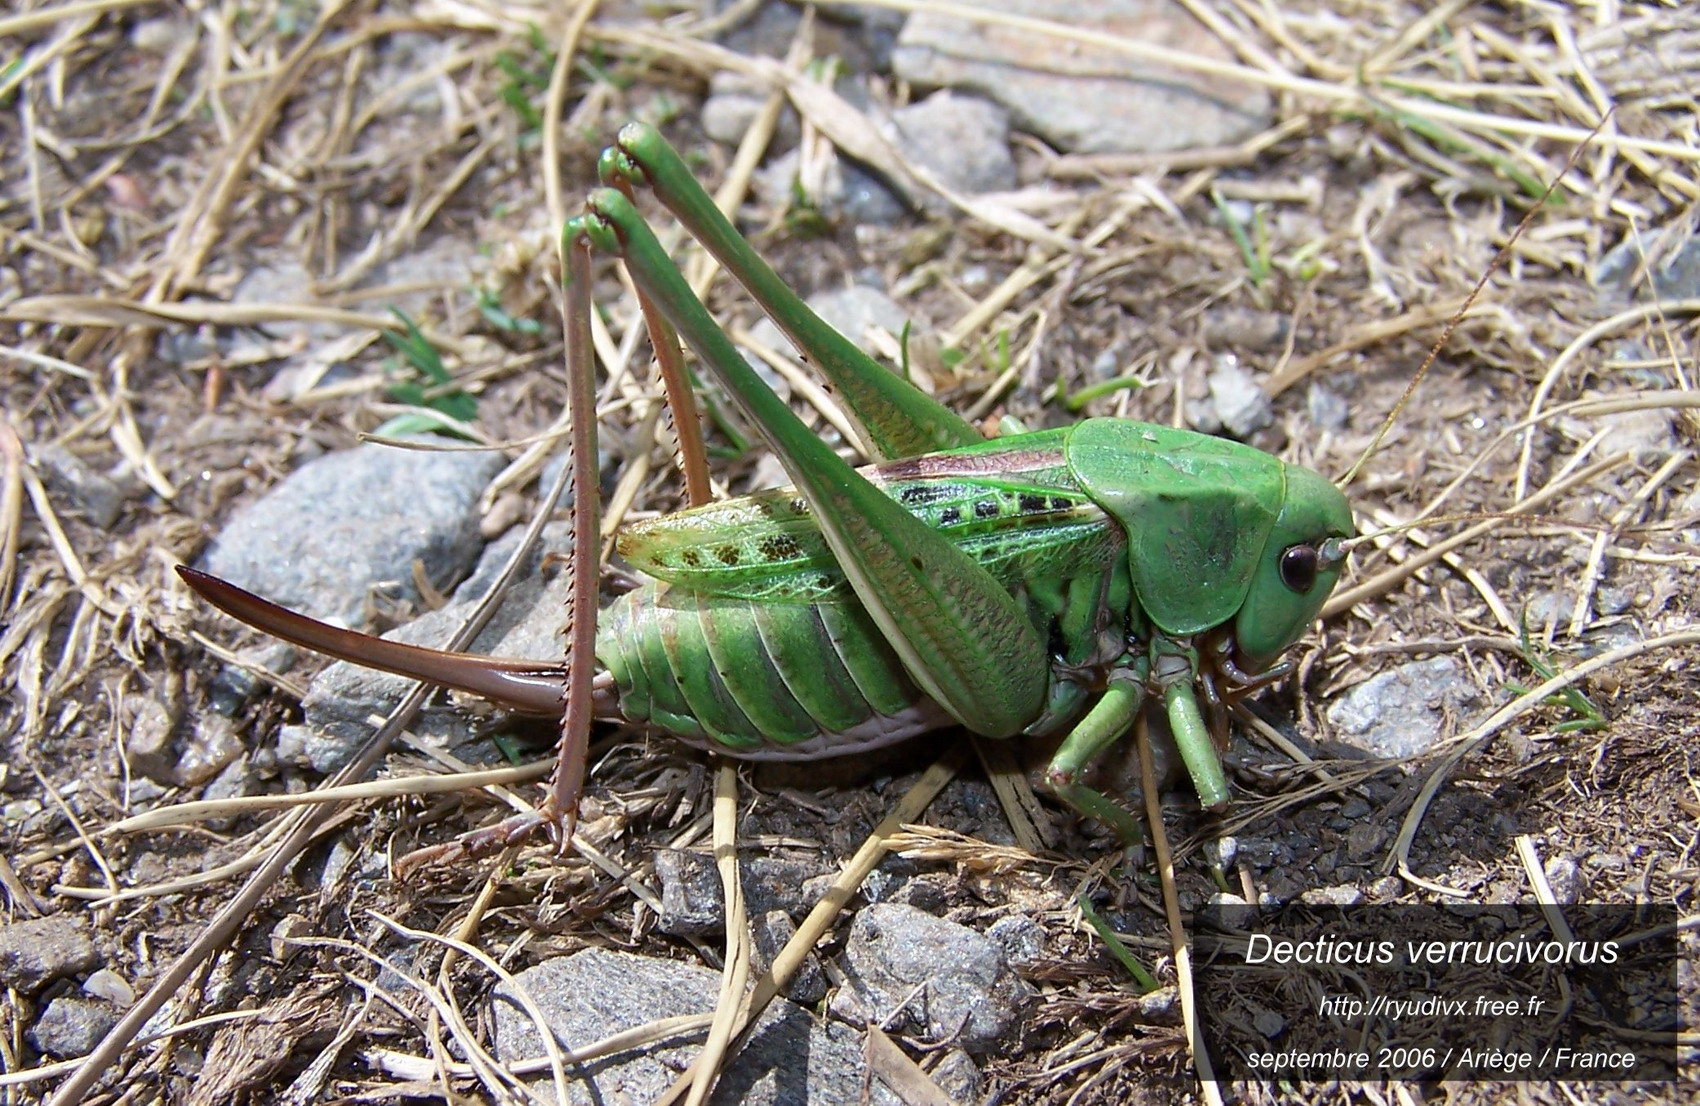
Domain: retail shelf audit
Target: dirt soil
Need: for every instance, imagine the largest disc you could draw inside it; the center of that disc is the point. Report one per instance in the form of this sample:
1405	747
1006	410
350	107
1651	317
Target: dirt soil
165	260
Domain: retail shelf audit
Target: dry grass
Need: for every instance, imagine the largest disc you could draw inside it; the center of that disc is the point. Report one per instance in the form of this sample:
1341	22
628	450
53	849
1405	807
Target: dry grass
154	159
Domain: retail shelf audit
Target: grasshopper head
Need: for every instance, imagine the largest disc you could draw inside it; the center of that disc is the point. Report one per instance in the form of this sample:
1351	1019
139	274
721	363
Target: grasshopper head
1300	564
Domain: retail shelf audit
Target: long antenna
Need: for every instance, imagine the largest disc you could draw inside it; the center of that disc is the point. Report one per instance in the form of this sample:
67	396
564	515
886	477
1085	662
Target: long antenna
1469	302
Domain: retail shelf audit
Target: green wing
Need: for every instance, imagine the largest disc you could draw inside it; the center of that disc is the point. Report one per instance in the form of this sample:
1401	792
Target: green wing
768	547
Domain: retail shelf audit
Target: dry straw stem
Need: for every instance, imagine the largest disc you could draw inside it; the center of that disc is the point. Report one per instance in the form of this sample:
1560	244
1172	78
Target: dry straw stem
25	23
1671	400
1389	540
11	509
1178	946
1345	93
820	919
1391	578
1375	333
302	828
1594	569
1530	858
499	1079
906	1079
43	1072
943	846
298	829
1658	309
740	943
1014	791
553	104
1467	744
411	1068
182	814
204	220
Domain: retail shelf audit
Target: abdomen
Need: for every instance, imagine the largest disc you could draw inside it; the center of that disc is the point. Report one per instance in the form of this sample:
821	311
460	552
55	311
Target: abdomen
760	680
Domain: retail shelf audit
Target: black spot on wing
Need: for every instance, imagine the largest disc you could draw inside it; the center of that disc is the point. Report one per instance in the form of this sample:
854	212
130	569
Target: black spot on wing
780	547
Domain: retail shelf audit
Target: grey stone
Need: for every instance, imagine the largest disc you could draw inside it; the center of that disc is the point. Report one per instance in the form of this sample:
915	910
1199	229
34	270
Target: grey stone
1328	411
767	30
1386	889
1647	433
771	932
286	283
344	696
859	37
231	783
841	189
1565	876
555	540
1402	712
958	1076
111	987
734	100
1241	403
857	310
921	893
1364	841
726	116
1223	851
212	747
150	729
324	364
235	685
345	522
967	992
1160	1007
553	466
1201	415
1081	98
1340	895
1550	608
74	482
597	992
41	949
1263	852
1612	600
961	140
446	261
164	754
692	902
1021	938
1671	278
1246	329
72	1025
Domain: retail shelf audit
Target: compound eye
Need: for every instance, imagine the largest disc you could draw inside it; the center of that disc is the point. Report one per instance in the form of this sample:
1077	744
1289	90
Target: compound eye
1299	567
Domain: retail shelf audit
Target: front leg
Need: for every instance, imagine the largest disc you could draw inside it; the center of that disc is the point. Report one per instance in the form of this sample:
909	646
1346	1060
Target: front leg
1174	676
1105	724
